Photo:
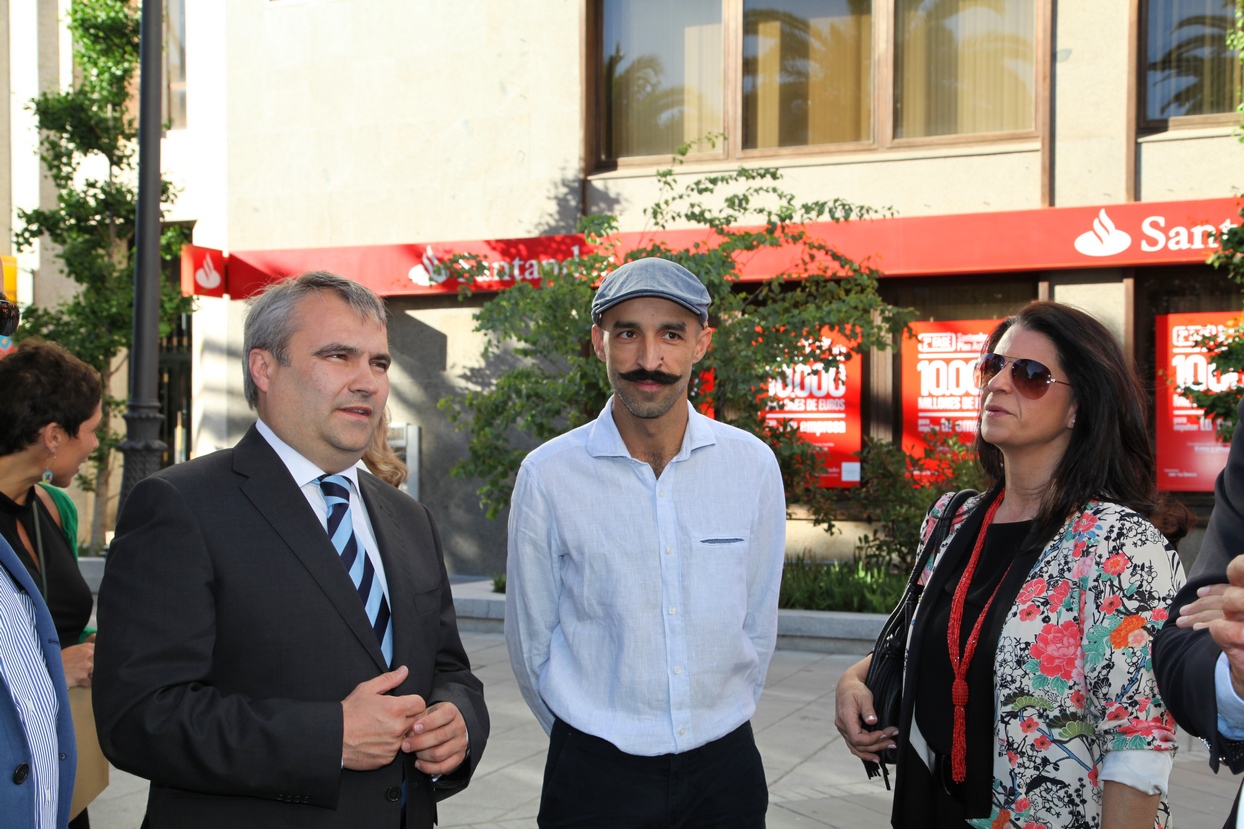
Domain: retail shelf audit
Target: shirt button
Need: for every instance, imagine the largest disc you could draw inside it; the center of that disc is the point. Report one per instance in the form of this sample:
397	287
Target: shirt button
30	706
673	610
677	671
669	550
682	731
660	493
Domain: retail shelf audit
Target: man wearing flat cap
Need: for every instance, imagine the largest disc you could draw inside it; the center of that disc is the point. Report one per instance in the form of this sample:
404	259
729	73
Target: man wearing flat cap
645	557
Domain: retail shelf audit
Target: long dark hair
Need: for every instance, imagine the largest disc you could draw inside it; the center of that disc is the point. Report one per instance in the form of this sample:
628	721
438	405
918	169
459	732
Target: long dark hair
1109	456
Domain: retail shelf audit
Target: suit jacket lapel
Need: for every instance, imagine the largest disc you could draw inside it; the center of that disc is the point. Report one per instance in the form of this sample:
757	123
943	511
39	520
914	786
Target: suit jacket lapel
272	490
393	543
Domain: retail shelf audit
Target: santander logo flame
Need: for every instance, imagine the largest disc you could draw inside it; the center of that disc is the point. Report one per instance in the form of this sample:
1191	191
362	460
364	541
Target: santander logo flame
1104	239
207	276
431	271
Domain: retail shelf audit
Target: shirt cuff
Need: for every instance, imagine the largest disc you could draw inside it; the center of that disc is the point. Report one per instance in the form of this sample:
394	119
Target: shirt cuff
1145	770
1230	706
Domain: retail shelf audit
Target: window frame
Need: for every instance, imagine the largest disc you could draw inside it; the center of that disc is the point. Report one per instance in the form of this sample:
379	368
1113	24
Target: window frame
730	149
1152	126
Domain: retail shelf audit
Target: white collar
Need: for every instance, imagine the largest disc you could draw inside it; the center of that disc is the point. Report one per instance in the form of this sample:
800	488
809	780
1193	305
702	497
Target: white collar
303	470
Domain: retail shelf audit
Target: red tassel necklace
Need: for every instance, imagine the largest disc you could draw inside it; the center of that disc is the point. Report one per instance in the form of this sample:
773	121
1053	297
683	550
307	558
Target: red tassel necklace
959	691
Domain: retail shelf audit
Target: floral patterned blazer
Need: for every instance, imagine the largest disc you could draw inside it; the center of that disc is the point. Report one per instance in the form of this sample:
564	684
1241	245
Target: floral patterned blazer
1073	671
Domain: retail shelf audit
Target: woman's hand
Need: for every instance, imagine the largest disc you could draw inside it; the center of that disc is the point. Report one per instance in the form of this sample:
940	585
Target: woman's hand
854	709
79	662
1206	608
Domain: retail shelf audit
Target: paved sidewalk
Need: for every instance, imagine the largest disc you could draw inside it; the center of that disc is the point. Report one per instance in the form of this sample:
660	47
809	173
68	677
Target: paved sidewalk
813	781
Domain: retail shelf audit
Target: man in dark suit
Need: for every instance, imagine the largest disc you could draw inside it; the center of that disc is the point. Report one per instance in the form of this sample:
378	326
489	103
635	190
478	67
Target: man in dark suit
277	645
1198	655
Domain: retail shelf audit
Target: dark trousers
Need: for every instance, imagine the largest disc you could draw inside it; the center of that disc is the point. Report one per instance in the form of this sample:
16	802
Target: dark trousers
591	783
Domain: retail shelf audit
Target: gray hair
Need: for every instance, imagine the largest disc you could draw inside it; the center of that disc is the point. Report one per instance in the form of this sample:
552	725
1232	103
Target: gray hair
270	317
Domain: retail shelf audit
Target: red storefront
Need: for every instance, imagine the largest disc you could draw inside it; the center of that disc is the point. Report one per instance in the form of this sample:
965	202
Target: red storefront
961	273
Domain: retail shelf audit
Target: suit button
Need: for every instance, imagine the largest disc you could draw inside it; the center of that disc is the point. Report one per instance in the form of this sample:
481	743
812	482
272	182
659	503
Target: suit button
393	794
21	773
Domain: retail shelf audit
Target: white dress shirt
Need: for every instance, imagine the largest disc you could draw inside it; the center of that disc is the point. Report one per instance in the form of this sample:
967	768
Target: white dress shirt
306	475
643	610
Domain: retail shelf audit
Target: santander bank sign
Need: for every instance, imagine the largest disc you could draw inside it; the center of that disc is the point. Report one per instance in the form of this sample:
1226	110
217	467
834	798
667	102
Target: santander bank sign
1107	239
1110	236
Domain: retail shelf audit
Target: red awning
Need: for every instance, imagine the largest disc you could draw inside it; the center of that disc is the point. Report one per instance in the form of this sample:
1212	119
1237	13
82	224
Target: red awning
1137	233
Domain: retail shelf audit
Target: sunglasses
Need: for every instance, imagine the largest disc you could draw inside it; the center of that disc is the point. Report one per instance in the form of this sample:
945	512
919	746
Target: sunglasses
10	316
1030	378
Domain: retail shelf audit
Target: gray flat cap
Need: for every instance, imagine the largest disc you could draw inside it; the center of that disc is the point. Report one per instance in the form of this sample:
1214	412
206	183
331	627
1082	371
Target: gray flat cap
652	277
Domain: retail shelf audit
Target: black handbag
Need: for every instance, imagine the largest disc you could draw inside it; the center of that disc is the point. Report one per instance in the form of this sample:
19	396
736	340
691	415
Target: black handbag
885	672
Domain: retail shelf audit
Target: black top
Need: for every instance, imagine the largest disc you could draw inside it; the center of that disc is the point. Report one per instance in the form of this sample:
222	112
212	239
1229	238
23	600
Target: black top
934	711
68	595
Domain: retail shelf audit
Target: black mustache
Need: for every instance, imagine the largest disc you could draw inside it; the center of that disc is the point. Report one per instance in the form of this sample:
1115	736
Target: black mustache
643	375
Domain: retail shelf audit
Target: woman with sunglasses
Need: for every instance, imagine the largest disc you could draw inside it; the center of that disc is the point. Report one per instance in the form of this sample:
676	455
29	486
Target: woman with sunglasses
1028	696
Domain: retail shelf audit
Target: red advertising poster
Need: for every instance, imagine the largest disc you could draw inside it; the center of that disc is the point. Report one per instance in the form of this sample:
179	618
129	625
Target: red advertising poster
1190	455
826	405
938	389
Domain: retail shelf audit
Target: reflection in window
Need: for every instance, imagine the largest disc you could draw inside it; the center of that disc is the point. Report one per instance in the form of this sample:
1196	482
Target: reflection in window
1190	70
807	72
963	67
661	74
174	103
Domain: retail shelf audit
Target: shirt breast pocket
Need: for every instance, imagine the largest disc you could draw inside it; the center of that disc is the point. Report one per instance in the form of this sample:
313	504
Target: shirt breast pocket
718	566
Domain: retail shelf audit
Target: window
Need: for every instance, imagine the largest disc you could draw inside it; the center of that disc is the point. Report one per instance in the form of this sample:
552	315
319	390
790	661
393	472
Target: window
1189	74
782	76
174	99
963	67
807	72
661	75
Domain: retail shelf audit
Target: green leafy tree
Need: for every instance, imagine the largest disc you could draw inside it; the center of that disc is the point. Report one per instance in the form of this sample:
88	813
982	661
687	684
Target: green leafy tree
88	148
897	489
761	329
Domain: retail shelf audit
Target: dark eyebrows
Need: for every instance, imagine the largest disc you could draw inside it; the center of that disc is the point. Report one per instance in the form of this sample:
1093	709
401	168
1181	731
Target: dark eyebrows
627	325
351	350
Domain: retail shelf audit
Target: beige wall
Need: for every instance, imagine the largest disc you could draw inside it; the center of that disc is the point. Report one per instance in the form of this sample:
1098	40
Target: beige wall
1090	106
389	121
1190	164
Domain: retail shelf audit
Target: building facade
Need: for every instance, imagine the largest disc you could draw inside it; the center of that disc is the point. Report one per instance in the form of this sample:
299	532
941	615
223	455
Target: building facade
362	135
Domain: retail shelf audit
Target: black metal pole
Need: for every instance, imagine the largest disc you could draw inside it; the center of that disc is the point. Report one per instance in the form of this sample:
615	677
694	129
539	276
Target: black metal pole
142	446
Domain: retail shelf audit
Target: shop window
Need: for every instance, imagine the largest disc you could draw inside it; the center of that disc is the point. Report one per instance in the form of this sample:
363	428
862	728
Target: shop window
765	77
661	75
963	67
1189	75
174	98
807	72
174	367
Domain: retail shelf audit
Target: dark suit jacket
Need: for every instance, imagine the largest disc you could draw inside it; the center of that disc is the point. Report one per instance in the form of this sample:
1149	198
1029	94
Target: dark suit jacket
17	801
1184	659
230	633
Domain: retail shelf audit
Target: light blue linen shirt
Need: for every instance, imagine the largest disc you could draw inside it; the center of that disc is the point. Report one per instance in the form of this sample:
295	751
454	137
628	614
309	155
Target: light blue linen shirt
643	610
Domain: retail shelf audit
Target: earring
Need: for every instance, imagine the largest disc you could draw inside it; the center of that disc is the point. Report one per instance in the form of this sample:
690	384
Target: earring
1073	423
47	476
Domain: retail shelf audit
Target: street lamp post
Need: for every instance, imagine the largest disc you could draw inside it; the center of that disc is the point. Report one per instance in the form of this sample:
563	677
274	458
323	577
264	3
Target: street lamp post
142	447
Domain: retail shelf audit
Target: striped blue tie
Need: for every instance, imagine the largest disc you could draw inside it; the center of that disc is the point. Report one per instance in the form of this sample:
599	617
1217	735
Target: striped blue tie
336	489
